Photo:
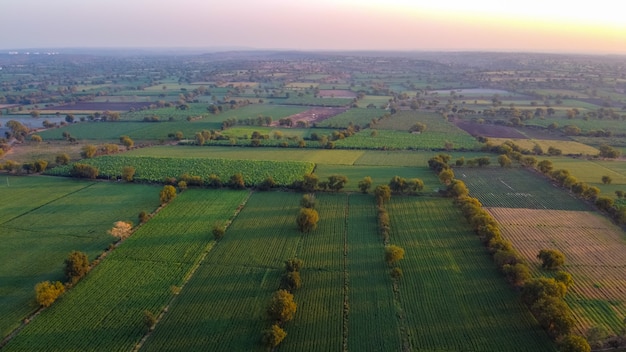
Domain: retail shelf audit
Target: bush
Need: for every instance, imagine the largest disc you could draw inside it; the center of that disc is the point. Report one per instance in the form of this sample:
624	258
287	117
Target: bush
76	266
282	307
393	254
273	336
307	220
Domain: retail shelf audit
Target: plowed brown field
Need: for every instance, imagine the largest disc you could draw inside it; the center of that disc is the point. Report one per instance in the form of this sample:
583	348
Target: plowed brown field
596	258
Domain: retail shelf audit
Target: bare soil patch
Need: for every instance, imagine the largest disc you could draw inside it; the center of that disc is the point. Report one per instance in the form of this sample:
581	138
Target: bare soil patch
102	106
488	130
314	115
594	249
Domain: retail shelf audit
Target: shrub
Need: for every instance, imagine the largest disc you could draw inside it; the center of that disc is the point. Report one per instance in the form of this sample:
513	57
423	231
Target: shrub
46	292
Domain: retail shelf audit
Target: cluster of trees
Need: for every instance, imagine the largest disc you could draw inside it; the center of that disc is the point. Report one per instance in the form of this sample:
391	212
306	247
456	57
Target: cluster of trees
81	170
76	266
383	195
400	185
545	298
307	217
311	183
282	307
454	188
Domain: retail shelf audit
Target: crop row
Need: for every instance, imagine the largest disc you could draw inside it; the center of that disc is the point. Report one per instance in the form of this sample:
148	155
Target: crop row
106	308
515	188
157	169
452	296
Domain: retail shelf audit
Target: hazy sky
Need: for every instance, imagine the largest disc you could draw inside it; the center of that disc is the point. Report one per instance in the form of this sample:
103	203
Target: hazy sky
579	26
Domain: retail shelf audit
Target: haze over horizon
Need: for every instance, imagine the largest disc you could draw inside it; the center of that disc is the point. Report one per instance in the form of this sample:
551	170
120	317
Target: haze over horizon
350	25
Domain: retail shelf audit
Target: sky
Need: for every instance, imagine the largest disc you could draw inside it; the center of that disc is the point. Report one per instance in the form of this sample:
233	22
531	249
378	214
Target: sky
569	26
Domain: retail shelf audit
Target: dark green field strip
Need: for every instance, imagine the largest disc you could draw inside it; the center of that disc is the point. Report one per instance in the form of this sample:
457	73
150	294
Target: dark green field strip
390	139
222	308
106	309
322	249
453	297
516	188
317	325
21	195
412	158
264	234
372	323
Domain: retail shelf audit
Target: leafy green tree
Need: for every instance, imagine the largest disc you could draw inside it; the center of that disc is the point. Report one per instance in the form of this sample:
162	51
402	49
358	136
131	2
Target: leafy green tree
282	307
310	182
214	181
545	166
62	159
40	165
128	173
554	315
504	161
565	278
36	138
308	201
528	161
167	194
365	184
397	184
76	266
143	217
267	184
606	180
293	264
393	254
149	319
551	258
575	343
418	127
608	152
517	274
446	176
273	336
415	185
88	151
127	142
83	170
47	292
337	182
534	289
307	220
236	181
291	281
382	193
218	231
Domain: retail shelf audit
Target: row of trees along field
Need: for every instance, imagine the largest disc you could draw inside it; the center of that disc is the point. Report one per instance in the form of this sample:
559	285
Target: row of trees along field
543	296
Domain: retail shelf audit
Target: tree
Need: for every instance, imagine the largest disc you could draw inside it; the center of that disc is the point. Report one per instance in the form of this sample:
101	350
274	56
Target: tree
214	181
504	160
307	220
337	182
167	194
575	343
267	184
554	315
121	229
47	292
149	320
40	165
545	166
143	217
273	336
62	159
415	185
310	182
88	151
606	180
128	172
397	184
293	264
365	184
446	176
36	138
291	281
218	231
565	278
551	258
308	201
282	307
418	127
127	142
76	266
609	152
528	161
517	274
393	254
236	181
382	193
83	170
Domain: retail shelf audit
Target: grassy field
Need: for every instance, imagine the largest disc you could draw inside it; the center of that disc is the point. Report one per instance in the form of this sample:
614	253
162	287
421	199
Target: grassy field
516	188
593	248
106	308
81	212
390	139
451	296
358	117
592	170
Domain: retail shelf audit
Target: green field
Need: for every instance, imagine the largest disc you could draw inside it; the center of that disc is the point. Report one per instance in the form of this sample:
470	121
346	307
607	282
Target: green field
157	169
106	308
358	117
592	170
390	139
451	295
81	212
516	188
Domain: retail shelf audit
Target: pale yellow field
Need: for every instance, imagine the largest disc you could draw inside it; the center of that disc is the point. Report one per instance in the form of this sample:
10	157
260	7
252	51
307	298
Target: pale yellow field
567	147
595	251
